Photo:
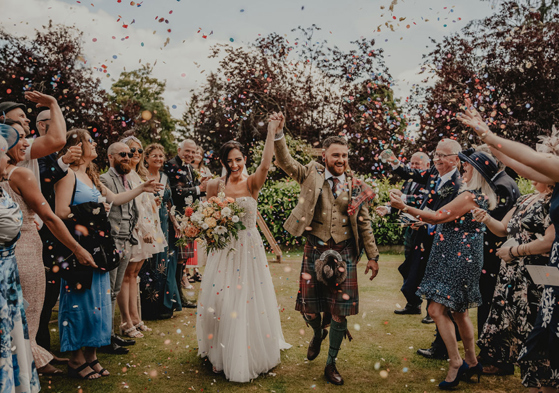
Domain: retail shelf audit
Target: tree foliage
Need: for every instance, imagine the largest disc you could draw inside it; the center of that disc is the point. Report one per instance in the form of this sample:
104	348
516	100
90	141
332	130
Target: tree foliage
321	89
53	63
137	99
507	63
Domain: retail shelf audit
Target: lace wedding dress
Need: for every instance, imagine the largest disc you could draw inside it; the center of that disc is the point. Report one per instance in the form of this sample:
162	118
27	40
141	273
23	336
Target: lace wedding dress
238	324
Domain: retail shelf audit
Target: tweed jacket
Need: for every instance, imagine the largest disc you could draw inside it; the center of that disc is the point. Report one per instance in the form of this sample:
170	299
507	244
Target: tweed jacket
114	183
311	177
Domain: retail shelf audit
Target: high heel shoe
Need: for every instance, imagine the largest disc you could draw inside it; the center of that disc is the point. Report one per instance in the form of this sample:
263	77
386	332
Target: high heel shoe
444	385
476	370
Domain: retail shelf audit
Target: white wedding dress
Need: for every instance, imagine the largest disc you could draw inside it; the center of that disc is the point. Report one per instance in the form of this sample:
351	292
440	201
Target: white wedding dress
238	324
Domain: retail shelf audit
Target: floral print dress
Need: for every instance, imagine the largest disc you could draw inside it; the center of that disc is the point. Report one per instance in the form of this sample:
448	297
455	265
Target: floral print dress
515	302
540	354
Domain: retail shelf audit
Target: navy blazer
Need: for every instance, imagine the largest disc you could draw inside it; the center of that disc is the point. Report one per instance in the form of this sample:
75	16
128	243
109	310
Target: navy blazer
507	193
182	182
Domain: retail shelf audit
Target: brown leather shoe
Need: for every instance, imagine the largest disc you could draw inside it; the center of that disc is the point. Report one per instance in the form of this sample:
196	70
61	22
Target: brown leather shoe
314	345
332	375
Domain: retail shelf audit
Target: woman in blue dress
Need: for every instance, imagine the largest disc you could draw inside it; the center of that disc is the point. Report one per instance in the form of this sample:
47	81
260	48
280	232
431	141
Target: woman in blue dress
17	368
85	315
451	280
159	291
540	353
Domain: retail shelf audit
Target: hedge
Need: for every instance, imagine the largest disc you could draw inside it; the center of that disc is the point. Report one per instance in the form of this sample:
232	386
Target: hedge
278	198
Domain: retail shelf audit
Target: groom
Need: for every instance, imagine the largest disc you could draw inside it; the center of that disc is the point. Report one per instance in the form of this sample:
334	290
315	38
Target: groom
328	192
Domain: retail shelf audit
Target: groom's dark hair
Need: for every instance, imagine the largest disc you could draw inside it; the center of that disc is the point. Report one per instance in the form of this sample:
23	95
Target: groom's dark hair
331	140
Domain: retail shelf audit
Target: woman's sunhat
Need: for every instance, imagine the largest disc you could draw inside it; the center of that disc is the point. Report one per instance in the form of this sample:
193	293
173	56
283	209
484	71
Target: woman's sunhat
10	134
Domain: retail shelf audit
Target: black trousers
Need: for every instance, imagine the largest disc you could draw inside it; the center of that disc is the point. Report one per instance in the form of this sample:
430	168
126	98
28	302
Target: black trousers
52	290
413	267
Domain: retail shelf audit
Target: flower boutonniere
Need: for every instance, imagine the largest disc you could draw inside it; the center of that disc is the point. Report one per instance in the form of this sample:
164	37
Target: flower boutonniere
195	175
445	191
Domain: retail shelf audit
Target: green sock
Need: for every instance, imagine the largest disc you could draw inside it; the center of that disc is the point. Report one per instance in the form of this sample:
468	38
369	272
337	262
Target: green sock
315	324
337	332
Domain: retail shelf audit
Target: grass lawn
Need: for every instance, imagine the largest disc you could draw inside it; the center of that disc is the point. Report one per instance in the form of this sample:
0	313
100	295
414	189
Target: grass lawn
381	358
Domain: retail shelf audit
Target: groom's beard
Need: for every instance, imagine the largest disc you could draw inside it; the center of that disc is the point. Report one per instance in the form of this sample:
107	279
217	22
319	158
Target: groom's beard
122	168
336	170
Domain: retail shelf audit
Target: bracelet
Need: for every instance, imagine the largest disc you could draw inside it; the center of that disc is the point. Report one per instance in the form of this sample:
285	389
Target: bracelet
278	136
484	135
510	253
405	209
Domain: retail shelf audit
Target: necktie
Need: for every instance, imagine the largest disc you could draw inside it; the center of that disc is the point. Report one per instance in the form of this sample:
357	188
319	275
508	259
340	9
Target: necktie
335	182
125	183
431	227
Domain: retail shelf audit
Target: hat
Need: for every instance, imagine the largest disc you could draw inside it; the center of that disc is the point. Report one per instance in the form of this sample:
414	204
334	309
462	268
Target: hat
7	106
482	162
330	268
10	134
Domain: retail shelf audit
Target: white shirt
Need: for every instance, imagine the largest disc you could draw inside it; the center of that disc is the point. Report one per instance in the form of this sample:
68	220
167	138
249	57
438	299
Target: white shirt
446	177
33	164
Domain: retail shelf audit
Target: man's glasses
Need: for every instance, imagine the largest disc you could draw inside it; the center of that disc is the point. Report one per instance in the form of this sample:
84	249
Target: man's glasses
44	120
133	150
441	155
124	154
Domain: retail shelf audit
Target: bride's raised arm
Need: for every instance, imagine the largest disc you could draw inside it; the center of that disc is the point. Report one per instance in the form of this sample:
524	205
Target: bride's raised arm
261	173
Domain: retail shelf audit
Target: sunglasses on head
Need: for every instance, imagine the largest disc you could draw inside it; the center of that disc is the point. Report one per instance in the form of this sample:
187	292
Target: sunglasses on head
124	154
133	150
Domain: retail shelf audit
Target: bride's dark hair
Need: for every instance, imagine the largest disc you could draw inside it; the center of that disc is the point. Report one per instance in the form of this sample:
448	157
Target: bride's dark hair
224	154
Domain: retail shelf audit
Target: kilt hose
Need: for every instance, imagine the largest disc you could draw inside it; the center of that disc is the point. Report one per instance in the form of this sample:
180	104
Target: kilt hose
314	297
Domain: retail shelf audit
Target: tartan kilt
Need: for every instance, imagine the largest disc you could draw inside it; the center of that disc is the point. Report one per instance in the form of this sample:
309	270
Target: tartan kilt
314	297
189	254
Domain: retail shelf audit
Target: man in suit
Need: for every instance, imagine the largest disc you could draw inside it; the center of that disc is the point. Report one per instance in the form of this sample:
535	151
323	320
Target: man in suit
52	169
183	184
412	193
123	219
507	193
333	216
442	182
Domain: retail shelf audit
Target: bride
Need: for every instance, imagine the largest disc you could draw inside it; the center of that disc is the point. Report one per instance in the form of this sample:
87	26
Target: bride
238	324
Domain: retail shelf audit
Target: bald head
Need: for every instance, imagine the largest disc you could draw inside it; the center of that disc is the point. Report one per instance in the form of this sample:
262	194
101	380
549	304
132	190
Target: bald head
43	122
420	160
446	156
116	148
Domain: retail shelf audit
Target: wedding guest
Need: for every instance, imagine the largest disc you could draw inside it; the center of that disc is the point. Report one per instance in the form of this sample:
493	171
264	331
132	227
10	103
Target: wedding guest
539	354
184	184
516	298
150	241
507	193
412	193
123	218
442	183
159	291
199	165
451	280
85	315
16	359
23	188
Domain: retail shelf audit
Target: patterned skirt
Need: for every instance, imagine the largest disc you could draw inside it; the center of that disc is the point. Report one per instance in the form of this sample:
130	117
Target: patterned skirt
315	297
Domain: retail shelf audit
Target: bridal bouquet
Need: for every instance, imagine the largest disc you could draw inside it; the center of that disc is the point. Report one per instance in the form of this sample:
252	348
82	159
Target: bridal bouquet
215	222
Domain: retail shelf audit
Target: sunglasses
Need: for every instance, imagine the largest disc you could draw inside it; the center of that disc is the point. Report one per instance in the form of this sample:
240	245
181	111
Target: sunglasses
123	154
90	140
133	150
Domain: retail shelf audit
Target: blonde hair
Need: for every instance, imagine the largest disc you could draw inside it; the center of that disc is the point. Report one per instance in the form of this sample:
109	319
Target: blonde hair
478	183
140	169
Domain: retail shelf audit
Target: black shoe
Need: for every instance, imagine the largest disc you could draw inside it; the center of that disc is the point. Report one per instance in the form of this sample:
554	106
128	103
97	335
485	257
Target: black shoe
427	319
332	375
122	342
114	349
197	277
408	310
314	346
432	353
189	304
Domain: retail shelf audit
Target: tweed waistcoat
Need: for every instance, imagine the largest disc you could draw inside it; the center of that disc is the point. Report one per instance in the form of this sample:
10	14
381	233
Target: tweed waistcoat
330	218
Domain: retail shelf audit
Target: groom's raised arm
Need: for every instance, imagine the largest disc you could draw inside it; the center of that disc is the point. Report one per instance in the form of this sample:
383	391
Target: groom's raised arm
294	169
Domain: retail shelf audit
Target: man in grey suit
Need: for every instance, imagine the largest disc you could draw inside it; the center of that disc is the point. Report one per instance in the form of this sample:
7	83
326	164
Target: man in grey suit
123	219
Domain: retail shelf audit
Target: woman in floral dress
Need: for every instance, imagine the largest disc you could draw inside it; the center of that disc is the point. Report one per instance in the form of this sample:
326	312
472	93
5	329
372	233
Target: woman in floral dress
516	298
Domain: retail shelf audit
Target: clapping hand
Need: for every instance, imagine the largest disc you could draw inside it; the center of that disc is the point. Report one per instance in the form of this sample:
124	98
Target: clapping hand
472	118
152	186
396	202
388	156
382	210
40	99
480	215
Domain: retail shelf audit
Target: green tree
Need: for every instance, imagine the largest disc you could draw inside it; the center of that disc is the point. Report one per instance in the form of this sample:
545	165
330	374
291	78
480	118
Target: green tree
137	98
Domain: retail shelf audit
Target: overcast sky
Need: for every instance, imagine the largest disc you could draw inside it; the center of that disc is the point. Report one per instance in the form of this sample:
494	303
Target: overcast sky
123	34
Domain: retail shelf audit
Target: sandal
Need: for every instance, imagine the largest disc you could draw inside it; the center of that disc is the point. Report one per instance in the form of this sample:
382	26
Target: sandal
49	369
131	332
141	326
100	372
75	372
